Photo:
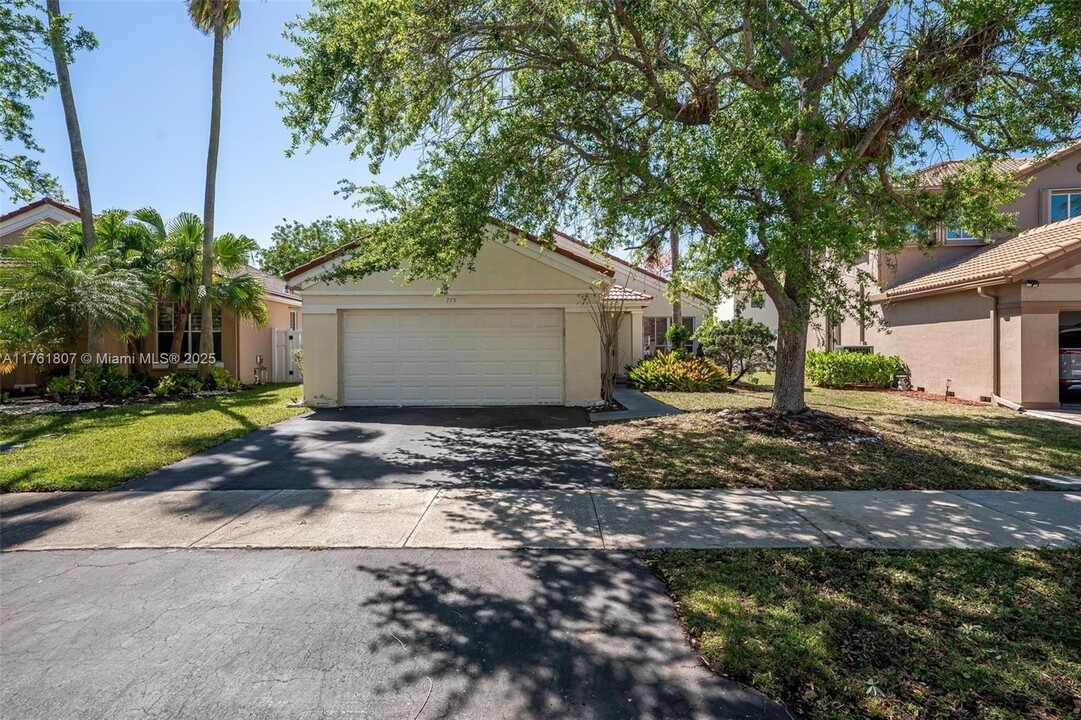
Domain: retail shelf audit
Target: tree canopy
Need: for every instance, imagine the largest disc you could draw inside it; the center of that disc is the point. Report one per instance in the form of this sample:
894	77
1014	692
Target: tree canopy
295	243
25	76
780	136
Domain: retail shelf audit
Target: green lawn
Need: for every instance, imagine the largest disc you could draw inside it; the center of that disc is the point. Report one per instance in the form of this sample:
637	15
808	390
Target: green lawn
925	445
99	449
900	635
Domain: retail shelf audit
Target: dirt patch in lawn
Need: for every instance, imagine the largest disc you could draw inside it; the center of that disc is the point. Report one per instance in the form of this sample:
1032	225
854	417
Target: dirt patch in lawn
810	426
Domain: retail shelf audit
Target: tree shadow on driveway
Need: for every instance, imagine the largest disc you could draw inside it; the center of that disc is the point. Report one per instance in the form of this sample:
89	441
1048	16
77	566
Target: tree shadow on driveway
359	448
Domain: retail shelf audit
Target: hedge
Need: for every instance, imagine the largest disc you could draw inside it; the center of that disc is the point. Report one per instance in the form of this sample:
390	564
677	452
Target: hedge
844	369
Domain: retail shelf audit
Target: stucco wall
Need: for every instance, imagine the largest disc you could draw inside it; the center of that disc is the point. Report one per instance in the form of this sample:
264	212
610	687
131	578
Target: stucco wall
253	340
321	359
582	359
942	337
503	277
1010	339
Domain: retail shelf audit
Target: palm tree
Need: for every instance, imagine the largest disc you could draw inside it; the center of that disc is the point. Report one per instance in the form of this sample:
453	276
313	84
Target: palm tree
178	277
217	18
56	292
58	41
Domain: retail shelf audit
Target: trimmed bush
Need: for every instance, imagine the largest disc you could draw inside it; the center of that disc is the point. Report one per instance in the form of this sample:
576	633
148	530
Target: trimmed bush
678	335
846	369
739	345
676	371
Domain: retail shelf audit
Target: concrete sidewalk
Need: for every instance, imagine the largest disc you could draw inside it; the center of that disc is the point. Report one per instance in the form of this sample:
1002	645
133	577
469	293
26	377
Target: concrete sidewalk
606	519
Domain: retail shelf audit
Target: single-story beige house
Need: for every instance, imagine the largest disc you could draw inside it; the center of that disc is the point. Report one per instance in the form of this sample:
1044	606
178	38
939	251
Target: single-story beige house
238	344
514	331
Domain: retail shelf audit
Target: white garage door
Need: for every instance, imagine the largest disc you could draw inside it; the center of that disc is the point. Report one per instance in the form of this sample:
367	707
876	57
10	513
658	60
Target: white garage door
453	357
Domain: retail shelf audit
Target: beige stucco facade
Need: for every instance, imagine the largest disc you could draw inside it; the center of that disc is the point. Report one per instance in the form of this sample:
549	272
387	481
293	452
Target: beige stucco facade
952	336
961	335
504	276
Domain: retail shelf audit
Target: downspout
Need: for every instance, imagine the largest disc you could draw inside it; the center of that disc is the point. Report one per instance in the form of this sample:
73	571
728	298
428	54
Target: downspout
996	373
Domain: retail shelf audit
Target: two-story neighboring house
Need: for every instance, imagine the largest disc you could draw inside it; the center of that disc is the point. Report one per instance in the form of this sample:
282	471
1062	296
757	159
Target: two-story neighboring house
988	321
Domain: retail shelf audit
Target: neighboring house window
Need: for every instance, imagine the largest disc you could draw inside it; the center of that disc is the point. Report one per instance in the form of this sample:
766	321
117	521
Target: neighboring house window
1065	204
190	341
292	319
654	329
959	236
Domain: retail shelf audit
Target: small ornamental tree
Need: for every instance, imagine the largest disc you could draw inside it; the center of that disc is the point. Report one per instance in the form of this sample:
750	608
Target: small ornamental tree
780	137
606	309
740	345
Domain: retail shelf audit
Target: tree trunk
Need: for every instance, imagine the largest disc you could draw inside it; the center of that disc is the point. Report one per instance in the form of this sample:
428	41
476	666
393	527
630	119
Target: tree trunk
178	338
95	342
71	118
788	396
677	306
206	335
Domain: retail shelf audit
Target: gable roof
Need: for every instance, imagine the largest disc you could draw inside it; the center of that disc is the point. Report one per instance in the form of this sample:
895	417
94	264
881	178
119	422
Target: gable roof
933	175
353	244
43	202
1001	262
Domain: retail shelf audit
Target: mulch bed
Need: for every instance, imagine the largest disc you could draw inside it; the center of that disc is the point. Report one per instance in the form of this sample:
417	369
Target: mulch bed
810	426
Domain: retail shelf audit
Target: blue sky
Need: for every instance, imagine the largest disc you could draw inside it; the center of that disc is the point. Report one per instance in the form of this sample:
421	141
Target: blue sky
144	103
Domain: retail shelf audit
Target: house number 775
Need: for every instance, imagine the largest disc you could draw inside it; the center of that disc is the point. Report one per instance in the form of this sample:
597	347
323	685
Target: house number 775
451	300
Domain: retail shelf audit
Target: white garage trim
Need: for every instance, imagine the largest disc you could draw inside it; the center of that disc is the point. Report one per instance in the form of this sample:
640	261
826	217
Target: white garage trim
460	356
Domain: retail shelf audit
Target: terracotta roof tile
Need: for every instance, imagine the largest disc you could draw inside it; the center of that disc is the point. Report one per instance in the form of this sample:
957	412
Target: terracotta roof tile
1000	262
619	293
271	284
934	175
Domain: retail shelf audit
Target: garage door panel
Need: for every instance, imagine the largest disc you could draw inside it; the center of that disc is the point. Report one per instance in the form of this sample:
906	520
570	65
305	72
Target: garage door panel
452	357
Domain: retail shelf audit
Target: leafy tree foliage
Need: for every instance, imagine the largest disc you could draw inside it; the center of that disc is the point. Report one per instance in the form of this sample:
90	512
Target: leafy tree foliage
782	135
740	345
53	292
25	76
295	243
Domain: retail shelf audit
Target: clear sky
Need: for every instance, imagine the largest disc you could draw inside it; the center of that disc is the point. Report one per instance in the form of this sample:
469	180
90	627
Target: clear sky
144	102
144	109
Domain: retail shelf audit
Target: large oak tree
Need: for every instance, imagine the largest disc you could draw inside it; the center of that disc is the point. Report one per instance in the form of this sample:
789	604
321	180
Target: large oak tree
783	133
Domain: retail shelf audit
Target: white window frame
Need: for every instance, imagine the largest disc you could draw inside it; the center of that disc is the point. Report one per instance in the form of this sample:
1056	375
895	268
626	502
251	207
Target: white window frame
1068	192
691	345
293	319
188	329
964	237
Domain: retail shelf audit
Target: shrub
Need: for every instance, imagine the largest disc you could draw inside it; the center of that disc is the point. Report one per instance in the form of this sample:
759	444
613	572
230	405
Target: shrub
740	345
222	379
842	369
298	358
100	382
177	384
676	371
678	335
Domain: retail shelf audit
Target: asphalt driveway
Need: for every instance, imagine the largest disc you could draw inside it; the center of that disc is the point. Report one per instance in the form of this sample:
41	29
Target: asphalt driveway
498	448
349	634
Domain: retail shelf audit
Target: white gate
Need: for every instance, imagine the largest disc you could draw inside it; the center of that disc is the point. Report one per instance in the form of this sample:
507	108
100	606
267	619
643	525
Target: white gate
284	369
